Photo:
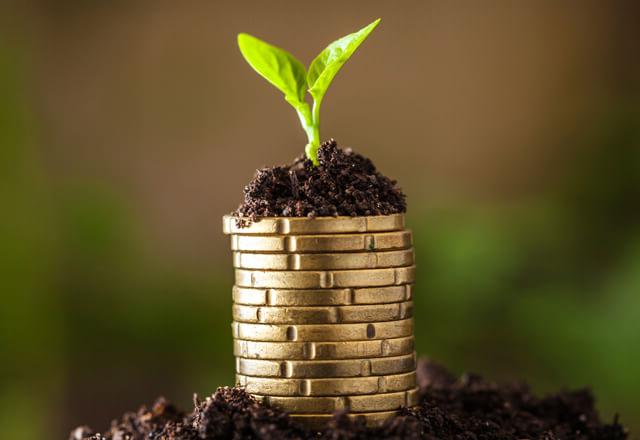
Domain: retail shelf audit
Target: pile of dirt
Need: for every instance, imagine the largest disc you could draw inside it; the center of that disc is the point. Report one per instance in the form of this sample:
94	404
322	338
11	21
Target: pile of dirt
465	408
344	183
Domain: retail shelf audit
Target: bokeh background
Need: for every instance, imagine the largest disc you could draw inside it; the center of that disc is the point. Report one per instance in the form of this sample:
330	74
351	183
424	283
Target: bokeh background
128	128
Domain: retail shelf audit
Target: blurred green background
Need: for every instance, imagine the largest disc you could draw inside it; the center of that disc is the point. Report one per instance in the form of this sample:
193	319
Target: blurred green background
127	129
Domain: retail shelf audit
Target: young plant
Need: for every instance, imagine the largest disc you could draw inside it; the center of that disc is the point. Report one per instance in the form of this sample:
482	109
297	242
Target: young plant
289	75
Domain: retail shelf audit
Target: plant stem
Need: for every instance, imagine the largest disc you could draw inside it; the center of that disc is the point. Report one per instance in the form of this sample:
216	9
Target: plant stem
310	120
311	128
314	140
304	114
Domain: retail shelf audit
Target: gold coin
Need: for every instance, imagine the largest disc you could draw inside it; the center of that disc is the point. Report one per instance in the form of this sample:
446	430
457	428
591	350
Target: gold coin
317	225
321	421
323	314
366	403
335	261
325	279
327	387
326	369
323	350
322	332
322	243
322	297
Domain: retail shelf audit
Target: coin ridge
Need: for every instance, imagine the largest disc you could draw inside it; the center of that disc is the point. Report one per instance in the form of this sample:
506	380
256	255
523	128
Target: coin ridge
346	296
328	350
322	243
327	386
353	404
308	369
325	279
319	225
323	261
362	313
322	332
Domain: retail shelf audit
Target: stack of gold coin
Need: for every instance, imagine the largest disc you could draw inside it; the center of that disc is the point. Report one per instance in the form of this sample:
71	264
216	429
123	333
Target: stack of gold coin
323	315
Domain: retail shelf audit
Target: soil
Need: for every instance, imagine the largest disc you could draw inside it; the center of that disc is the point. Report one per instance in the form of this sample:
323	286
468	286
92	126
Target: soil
464	408
344	183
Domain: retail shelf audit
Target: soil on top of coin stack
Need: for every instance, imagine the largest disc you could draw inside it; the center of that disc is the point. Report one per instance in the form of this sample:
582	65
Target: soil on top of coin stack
451	408
344	183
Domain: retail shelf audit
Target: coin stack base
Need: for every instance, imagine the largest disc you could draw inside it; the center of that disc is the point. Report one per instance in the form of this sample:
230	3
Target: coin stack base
323	316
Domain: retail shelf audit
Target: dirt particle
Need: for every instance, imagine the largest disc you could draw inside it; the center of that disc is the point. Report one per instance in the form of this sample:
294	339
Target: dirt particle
451	408
344	183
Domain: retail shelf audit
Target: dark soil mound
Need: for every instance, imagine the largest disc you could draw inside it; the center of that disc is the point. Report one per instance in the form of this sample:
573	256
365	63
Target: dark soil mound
344	183
467	408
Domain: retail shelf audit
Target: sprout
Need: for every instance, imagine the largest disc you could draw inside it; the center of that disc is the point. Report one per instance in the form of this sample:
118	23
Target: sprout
289	75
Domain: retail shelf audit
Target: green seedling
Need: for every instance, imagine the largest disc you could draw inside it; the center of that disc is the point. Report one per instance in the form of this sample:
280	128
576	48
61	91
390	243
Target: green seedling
289	75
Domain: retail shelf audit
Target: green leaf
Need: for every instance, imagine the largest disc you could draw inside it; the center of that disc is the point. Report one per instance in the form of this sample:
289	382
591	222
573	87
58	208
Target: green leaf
277	66
326	65
286	73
